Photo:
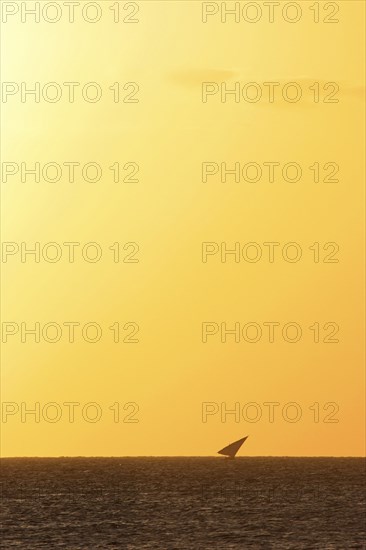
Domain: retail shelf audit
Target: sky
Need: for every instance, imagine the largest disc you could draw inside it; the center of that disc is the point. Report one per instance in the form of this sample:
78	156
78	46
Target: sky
166	291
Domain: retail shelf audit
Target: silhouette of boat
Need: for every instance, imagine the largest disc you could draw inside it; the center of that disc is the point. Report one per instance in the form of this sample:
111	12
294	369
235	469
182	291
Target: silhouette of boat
230	450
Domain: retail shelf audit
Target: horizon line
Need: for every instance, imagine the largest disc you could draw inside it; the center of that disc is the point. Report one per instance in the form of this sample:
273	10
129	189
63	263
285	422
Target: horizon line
182	456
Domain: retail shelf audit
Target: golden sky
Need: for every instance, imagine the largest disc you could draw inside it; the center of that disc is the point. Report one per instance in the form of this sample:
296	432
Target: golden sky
154	284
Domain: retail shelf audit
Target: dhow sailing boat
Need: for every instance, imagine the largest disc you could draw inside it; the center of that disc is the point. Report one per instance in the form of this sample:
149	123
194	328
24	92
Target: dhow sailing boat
231	450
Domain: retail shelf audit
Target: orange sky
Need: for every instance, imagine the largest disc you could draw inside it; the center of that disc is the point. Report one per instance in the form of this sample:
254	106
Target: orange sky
149	397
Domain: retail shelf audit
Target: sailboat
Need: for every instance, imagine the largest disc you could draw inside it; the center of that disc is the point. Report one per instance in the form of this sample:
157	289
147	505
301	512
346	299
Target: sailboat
230	450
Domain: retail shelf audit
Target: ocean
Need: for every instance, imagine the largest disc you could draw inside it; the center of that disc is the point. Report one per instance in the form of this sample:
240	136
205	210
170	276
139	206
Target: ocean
183	503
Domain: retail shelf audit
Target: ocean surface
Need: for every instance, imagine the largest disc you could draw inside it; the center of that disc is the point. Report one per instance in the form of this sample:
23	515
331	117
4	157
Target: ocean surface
183	503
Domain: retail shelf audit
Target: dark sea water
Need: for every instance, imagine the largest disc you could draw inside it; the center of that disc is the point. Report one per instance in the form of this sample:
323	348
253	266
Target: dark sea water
183	503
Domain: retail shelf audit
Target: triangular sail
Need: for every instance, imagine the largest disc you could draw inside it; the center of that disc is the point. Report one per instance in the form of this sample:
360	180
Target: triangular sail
233	448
